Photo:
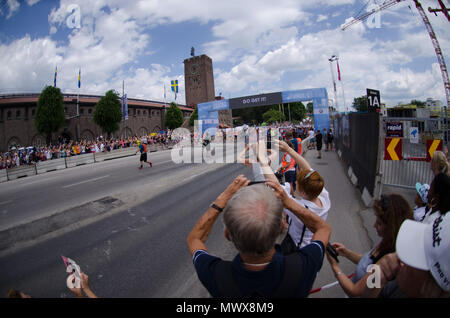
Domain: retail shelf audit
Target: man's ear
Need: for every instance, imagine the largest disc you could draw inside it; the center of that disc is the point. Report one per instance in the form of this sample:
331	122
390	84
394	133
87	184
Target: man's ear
227	234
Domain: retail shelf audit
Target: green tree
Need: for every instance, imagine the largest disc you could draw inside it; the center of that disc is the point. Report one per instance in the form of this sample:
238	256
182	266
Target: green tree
298	111
360	103
310	107
174	116
418	103
273	115
107	112
194	117
50	115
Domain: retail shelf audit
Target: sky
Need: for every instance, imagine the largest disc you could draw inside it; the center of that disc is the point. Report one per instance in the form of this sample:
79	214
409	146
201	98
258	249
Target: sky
257	46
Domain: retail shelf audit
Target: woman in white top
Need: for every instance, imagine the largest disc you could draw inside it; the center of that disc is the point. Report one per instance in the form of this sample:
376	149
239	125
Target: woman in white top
310	193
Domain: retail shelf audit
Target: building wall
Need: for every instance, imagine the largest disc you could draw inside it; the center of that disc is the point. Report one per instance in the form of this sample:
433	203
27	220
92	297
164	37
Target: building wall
20	130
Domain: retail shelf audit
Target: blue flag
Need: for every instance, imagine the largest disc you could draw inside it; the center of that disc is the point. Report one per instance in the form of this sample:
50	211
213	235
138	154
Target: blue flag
174	85
54	80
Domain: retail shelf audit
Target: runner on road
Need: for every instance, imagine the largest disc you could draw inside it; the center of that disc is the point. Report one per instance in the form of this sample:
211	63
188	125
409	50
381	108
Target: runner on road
143	150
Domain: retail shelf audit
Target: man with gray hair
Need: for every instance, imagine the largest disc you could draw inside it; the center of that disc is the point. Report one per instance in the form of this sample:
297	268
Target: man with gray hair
253	219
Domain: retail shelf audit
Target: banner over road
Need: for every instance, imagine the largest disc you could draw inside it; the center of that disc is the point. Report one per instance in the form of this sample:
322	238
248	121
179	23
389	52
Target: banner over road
208	113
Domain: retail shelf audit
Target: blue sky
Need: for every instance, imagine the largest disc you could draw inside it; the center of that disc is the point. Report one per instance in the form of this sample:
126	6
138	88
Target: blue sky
256	46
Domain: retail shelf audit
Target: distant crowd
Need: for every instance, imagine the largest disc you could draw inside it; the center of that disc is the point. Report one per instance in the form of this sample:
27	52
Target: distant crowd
18	156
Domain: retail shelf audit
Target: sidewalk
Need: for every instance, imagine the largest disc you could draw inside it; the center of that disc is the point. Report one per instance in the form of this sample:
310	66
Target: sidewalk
350	220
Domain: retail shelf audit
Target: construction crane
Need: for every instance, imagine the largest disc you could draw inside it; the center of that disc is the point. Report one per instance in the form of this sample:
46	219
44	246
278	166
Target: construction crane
434	40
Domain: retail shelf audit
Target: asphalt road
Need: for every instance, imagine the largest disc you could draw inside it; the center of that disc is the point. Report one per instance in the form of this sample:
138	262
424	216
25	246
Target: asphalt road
138	248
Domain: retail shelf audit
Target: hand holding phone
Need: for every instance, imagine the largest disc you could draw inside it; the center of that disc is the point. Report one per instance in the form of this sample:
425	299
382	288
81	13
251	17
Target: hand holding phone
333	253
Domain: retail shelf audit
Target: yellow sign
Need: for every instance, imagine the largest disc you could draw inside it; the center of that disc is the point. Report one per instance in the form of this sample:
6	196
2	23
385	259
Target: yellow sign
432	146
393	149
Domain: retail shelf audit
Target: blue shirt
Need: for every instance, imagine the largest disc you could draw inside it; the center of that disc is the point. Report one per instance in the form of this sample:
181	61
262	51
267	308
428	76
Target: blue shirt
263	282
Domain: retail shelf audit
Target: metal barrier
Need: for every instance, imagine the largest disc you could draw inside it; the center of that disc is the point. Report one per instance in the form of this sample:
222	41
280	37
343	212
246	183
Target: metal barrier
63	163
79	160
413	166
50	165
3	175
119	153
20	172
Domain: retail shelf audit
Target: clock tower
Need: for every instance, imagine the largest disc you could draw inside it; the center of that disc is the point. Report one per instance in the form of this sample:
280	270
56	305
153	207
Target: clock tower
199	85
199	80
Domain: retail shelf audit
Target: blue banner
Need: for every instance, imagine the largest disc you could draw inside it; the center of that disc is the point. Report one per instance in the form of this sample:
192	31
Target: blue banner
125	106
208	112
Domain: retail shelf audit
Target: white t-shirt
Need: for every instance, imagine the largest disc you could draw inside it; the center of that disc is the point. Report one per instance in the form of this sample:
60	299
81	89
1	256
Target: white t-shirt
311	133
296	226
419	213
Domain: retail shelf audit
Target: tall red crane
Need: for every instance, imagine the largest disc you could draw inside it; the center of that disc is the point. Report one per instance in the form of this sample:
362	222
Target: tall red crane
434	40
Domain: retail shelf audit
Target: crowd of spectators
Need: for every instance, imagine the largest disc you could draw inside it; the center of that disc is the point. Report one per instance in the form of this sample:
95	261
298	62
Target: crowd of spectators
19	156
413	256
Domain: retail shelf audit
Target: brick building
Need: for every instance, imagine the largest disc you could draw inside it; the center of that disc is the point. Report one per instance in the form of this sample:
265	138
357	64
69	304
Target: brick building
199	82
17	119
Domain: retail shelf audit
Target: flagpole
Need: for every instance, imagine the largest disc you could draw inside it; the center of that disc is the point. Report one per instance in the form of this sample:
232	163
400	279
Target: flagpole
342	83
78	93
334	82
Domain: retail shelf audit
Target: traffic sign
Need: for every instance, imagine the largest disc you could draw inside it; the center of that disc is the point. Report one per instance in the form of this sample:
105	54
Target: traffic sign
432	146
394	129
393	149
414	135
373	100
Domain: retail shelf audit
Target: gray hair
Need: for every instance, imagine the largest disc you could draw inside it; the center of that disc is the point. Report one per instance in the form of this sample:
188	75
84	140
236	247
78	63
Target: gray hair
253	218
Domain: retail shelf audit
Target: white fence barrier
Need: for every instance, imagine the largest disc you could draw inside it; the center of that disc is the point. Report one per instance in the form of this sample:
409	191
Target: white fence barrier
63	163
50	165
3	175
20	172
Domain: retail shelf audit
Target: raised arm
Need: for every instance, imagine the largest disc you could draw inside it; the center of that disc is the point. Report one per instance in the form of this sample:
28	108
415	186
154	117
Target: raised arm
283	146
313	222
199	234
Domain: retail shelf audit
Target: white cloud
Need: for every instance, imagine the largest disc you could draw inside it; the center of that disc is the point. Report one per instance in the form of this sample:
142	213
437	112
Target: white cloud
13	6
256	46
31	2
321	17
28	64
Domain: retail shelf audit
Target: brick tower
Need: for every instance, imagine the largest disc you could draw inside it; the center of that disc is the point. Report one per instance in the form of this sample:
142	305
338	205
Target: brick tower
199	85
199	80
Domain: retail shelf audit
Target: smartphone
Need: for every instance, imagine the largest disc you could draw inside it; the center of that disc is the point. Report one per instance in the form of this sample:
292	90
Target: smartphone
255	182
332	252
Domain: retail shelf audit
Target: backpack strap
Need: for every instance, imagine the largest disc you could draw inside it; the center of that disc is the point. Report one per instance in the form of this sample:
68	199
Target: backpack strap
293	268
303	233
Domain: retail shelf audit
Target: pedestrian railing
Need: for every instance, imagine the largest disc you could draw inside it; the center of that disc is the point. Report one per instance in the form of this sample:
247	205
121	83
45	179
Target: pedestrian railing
69	162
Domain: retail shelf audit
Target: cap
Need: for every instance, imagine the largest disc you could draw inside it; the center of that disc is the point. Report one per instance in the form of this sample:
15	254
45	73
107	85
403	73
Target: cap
422	190
427	247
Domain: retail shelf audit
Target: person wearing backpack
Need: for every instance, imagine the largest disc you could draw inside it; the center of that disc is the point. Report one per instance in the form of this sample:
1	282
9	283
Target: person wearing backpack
143	150
310	193
253	219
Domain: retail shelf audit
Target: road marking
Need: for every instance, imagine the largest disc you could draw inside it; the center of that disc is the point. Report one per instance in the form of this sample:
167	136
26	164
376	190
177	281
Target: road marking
85	181
6	202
